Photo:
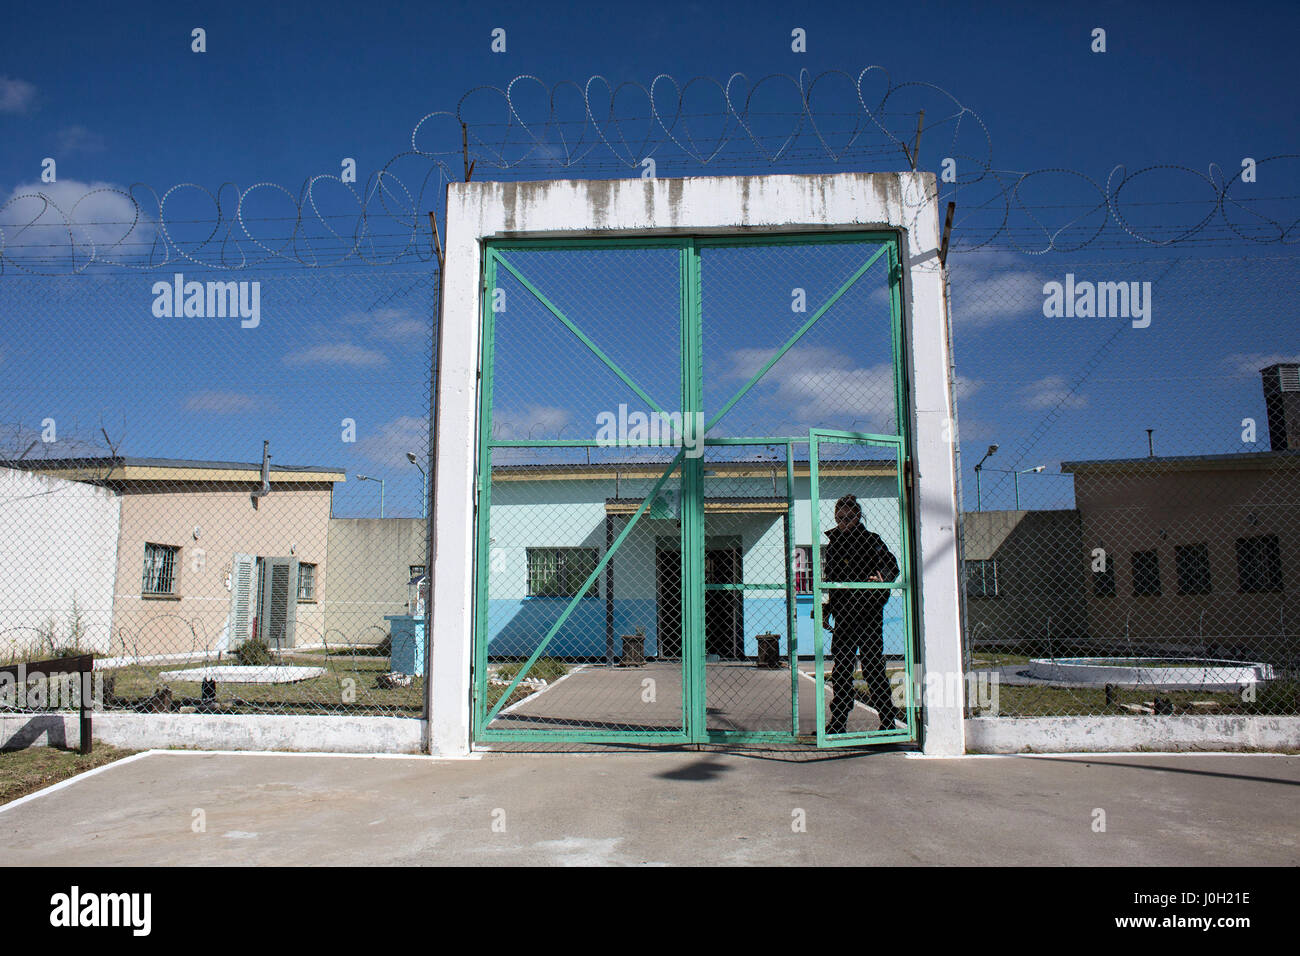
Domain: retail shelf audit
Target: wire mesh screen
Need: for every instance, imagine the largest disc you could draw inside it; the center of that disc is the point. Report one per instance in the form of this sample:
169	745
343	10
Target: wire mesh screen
861	576
1131	483
839	372
579	628
215	483
749	591
644	568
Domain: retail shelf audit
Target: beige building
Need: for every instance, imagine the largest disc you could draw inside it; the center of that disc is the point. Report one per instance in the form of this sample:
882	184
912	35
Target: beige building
1201	553
1194	555
372	561
1024	579
208	554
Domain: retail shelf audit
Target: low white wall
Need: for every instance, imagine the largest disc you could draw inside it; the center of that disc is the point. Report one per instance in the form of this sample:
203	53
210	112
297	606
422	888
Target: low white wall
1011	735
407	734
356	735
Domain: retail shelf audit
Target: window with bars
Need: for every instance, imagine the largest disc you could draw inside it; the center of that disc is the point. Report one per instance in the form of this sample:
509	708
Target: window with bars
982	578
306	582
559	572
160	561
1192	562
1146	573
1259	564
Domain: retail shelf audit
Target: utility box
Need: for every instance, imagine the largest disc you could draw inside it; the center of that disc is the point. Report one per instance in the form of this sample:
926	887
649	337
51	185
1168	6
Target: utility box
406	631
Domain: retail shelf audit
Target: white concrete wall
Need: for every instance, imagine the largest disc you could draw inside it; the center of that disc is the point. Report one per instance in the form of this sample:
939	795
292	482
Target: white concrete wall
1011	735
58	544
360	735
902	202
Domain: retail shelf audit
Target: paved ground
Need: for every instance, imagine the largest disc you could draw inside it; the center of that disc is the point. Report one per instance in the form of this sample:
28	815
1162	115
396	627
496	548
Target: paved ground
667	807
738	697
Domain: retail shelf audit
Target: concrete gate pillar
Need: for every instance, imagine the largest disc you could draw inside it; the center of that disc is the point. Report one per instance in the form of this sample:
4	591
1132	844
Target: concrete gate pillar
902	202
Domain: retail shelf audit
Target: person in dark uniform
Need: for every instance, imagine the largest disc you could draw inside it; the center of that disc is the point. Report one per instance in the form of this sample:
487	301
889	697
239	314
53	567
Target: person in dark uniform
857	614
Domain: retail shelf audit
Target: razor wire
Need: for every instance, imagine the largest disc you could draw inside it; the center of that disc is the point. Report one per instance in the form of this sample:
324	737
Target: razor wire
809	122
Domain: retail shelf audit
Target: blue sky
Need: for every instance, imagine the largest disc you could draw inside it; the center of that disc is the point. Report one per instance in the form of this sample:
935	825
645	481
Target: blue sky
286	90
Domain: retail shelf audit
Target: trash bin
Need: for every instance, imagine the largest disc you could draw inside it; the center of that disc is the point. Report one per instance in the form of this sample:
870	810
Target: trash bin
633	649
769	651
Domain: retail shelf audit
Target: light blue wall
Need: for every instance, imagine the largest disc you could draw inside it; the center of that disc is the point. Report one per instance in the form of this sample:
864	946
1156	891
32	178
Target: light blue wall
571	513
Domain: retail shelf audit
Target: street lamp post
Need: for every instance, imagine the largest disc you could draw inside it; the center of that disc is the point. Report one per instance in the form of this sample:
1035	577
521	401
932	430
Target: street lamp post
979	505
424	508
381	490
1015	479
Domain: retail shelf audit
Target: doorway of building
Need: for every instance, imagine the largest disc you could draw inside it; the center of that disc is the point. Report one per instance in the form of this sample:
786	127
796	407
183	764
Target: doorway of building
724	630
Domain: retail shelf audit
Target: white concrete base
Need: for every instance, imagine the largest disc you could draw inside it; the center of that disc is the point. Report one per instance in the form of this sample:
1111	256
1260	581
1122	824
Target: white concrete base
1010	735
361	735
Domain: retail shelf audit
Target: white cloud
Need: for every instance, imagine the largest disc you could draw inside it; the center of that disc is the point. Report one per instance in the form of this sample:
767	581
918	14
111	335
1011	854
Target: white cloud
1050	391
223	403
390	442
79	139
965	387
1252	363
820	384
389	324
532	421
16	96
992	287
336	353
72	218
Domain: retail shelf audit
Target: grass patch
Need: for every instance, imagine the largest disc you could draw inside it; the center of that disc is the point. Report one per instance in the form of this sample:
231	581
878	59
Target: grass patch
26	771
1275	697
547	668
347	686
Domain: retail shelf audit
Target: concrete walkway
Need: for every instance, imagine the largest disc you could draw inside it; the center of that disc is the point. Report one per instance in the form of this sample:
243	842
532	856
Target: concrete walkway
667	808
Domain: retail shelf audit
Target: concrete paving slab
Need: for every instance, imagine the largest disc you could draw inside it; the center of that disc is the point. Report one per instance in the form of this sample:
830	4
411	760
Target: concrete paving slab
674	807
738	697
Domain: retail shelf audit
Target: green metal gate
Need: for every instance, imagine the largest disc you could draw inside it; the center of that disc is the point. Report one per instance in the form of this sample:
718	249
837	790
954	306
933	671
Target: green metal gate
664	424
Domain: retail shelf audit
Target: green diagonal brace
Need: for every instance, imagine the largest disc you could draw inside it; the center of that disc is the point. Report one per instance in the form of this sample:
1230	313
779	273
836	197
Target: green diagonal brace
595	350
795	338
586	586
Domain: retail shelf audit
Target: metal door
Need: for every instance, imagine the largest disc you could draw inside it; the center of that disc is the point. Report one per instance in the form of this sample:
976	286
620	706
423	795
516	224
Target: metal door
644	590
873	470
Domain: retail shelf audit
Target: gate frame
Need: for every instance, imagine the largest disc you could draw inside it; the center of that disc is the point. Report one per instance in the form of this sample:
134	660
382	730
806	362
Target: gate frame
903	203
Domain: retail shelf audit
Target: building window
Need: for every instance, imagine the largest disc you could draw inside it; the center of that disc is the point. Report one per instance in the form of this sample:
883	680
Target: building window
803	569
417	571
1192	561
559	572
160	562
982	578
1259	564
306	582
1146	574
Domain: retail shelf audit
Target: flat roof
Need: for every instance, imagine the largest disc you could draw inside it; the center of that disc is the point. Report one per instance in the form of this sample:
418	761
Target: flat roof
857	468
1246	459
128	468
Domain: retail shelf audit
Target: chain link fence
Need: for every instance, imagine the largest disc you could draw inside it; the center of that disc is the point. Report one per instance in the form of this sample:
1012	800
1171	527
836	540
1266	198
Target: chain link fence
215	483
1130	469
